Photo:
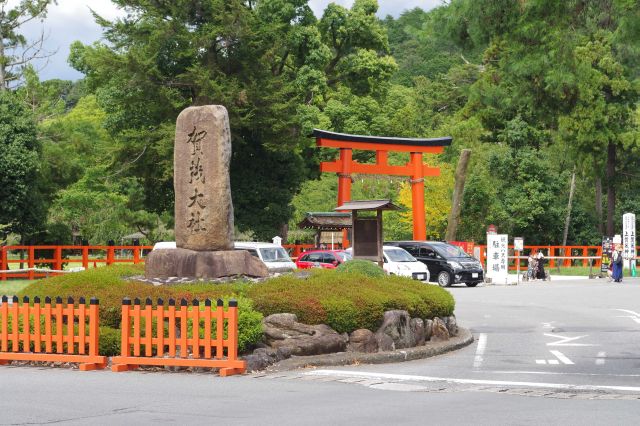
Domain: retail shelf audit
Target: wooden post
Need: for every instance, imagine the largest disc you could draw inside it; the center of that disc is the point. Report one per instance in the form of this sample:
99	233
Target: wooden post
417	197
58	258
4	265
85	257
344	185
31	257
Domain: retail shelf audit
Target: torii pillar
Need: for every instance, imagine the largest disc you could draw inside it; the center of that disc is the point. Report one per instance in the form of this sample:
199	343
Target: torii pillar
414	169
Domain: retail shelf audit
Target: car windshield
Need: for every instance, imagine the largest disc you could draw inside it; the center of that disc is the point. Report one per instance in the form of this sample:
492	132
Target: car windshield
448	250
399	255
344	256
274	254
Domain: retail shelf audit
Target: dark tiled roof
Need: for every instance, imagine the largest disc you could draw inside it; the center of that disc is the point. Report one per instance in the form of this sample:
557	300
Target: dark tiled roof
326	221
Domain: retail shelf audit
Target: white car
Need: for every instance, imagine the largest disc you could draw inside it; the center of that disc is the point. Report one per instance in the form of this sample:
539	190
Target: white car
275	257
398	261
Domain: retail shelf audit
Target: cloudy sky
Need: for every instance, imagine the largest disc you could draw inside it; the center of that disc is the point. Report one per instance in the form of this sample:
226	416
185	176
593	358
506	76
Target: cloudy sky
71	20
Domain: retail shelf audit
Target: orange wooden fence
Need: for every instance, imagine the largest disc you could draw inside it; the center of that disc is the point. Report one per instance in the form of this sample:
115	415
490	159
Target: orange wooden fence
296	250
183	334
582	253
50	333
86	255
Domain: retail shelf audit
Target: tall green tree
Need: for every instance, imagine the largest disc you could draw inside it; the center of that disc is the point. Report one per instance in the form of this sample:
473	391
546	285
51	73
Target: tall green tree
22	208
15	50
267	61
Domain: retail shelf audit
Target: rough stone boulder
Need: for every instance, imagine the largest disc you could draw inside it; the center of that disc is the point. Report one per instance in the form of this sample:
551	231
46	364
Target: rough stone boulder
202	264
362	340
261	358
428	327
452	325
283	331
418	330
395	331
439	331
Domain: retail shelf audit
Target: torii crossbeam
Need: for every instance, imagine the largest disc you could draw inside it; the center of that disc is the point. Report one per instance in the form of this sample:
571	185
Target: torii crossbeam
414	168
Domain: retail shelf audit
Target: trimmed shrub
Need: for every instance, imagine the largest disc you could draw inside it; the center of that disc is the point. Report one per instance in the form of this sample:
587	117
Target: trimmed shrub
109	344
348	301
360	266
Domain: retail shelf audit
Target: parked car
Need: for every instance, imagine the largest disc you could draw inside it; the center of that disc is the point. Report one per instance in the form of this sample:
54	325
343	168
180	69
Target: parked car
448	264
275	257
327	259
399	262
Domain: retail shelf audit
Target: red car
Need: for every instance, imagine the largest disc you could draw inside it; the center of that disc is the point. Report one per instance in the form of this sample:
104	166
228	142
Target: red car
328	259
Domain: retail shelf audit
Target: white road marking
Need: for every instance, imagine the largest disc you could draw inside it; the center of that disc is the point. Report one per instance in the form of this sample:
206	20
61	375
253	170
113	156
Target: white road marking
556	373
554	362
564	340
634	315
541	361
482	345
601	358
414	378
561	357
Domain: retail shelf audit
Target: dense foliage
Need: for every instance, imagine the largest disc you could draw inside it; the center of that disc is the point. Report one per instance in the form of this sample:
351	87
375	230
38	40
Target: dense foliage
537	89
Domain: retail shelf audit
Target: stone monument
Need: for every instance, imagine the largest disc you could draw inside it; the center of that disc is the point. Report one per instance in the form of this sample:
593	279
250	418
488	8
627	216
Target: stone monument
203	205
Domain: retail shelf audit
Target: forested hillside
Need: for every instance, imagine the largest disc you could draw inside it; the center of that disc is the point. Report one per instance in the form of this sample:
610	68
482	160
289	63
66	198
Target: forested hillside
539	90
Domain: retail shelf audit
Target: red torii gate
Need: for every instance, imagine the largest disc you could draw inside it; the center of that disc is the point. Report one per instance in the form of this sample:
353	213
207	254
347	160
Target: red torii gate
414	169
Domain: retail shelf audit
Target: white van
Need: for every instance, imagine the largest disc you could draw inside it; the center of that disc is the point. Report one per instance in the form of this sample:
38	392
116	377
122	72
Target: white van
398	261
275	257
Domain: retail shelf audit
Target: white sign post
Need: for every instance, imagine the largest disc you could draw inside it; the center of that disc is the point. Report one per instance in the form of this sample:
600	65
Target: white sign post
498	257
629	240
518	246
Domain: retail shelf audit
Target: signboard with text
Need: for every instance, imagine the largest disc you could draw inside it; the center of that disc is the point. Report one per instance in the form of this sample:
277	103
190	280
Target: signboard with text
497	256
628	237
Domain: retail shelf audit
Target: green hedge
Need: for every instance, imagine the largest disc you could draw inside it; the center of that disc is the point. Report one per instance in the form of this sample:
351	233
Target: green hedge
348	301
360	266
343	300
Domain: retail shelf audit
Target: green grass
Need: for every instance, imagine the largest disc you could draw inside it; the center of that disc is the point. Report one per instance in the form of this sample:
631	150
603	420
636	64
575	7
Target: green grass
11	287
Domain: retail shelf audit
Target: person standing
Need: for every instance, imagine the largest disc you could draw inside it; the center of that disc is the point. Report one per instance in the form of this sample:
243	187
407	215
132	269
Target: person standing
617	264
540	274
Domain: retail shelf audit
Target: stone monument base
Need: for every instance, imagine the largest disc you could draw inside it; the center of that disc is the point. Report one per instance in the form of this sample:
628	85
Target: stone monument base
164	263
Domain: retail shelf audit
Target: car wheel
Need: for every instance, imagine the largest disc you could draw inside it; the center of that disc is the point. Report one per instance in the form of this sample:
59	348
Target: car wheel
444	279
471	284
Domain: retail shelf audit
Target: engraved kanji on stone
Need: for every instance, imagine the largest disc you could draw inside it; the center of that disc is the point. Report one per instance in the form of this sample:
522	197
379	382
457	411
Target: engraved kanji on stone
196	223
196	199
196	171
195	138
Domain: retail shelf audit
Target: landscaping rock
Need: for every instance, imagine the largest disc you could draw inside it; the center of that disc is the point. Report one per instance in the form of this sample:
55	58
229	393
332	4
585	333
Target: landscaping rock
452	325
283	331
261	358
362	340
428	329
202	264
439	331
396	326
417	329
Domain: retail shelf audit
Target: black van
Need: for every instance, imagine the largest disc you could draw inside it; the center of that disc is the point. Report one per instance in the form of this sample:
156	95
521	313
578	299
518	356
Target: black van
448	264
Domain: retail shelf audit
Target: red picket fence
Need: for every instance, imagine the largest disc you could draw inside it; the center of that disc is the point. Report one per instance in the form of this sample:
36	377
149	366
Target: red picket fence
148	334
563	256
85	255
50	333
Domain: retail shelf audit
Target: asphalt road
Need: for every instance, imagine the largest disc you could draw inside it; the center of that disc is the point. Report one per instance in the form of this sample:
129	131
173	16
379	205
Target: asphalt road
545	353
